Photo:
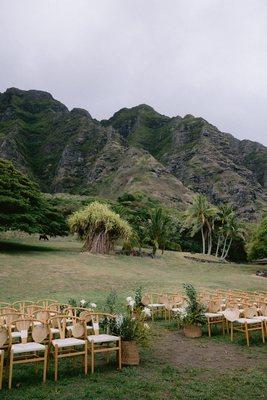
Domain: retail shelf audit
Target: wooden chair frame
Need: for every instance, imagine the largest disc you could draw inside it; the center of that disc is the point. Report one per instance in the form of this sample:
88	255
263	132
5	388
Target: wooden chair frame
31	356
59	352
2	356
104	347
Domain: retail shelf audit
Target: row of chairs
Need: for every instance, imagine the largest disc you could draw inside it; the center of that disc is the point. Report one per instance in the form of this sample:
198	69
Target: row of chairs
35	338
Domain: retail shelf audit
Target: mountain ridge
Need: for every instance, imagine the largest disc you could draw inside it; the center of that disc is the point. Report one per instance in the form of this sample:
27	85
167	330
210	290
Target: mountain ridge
137	149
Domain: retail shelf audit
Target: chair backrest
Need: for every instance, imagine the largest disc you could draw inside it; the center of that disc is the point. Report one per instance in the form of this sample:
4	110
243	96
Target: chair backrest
9	318
30	329
250	312
97	317
21	304
44	314
78	329
214	306
47	303
162	298
7	309
231	314
146	299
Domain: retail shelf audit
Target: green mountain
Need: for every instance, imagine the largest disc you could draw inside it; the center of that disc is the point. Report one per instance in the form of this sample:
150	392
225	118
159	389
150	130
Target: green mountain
137	150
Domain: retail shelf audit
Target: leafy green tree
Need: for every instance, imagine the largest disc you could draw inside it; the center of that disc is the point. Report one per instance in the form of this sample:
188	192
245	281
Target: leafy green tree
257	247
22	206
232	229
158	229
225	213
99	227
200	216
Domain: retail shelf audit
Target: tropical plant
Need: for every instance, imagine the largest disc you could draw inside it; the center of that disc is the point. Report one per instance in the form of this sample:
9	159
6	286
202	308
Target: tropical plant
257	247
200	216
225	212
130	329
158	229
99	227
23	207
231	230
194	311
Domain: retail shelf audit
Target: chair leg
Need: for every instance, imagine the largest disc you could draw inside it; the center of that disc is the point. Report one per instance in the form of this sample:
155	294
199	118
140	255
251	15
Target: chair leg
56	362
10	370
246	333
232	331
262	332
209	328
92	358
1	368
45	364
86	358
119	354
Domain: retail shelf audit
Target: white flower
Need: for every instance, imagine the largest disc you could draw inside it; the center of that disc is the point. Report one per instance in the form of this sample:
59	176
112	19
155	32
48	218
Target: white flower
131	303
83	302
146	325
119	320
93	305
129	298
147	312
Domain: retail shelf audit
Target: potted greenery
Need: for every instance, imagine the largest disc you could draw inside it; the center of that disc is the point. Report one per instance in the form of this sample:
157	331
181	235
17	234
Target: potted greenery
133	332
193	317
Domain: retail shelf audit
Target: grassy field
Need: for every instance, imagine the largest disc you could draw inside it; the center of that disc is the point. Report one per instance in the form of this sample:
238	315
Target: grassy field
173	367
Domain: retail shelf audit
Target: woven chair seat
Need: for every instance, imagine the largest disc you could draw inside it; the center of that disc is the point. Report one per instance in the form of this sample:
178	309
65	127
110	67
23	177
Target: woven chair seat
253	320
69	327
102	338
156	305
261	317
27	347
68	342
15	335
213	315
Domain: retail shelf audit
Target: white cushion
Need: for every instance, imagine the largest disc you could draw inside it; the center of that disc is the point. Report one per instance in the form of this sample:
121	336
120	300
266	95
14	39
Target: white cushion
102	338
15	335
68	342
213	315
54	330
156	305
253	320
261	317
27	347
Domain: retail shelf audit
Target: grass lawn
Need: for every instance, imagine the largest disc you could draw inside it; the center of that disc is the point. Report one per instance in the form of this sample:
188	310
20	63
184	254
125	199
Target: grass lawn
174	367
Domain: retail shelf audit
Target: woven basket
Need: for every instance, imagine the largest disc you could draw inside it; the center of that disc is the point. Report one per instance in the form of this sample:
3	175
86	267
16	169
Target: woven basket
192	331
130	353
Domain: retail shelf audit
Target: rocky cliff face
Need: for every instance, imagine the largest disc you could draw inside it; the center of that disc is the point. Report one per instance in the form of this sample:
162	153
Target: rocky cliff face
68	151
137	149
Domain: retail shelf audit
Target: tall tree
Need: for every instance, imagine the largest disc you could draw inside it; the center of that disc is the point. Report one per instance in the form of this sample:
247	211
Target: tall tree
23	207
99	227
225	212
257	246
200	216
158	229
232	229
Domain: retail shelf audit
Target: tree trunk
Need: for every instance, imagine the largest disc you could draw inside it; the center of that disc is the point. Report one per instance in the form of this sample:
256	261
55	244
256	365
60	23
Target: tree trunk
210	243
224	247
203	241
218	246
228	248
99	243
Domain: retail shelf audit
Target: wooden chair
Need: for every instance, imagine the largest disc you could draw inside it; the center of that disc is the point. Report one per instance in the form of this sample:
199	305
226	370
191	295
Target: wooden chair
72	346
8	321
244	325
103	342
48	303
28	351
20	305
215	316
2	355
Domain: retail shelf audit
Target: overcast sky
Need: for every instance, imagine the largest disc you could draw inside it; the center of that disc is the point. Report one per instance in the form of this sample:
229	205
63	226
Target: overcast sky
203	57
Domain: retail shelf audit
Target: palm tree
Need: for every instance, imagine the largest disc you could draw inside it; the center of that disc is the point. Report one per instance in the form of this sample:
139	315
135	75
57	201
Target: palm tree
158	229
200	216
233	229
225	212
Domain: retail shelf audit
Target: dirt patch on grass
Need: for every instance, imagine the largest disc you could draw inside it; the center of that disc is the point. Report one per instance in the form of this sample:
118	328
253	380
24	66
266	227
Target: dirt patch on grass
174	348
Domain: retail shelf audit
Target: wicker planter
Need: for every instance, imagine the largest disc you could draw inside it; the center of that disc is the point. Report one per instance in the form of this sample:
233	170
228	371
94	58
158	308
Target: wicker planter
192	331
130	353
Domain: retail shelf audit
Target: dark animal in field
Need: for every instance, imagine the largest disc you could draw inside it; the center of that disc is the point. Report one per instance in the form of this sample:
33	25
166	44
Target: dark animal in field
43	237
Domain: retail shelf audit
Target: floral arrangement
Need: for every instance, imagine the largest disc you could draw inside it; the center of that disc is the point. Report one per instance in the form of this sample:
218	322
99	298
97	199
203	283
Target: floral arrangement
135	305
82	303
130	329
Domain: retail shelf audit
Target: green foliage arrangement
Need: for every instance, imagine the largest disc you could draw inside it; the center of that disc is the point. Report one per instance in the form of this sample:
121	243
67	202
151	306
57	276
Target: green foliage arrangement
194	311
22	206
257	247
130	328
110	305
99	227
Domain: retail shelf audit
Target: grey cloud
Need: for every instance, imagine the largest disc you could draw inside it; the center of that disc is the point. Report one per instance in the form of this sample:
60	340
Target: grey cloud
203	57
